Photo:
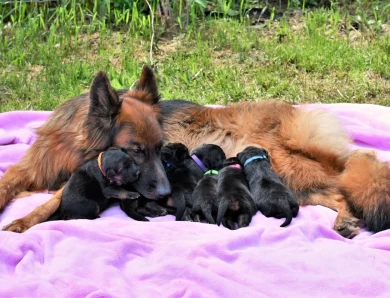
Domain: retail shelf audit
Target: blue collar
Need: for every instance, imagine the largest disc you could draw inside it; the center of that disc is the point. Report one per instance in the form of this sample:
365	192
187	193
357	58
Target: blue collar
254	158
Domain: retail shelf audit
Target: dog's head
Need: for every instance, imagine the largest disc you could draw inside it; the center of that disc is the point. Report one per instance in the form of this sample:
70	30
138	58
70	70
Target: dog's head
129	120
173	155
250	152
119	167
211	155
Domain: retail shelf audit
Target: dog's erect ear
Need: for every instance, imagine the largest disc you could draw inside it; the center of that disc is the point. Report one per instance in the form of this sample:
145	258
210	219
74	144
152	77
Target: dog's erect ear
104	106
104	102
147	83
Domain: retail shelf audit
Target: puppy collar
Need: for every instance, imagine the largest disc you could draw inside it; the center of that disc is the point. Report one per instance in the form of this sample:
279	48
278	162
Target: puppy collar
236	165
99	160
211	172
199	162
254	158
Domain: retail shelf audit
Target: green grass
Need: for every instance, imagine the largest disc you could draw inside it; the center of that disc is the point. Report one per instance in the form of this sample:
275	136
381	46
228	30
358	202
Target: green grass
48	57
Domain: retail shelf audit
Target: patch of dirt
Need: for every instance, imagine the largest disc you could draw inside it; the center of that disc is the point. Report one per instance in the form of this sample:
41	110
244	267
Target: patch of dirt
34	71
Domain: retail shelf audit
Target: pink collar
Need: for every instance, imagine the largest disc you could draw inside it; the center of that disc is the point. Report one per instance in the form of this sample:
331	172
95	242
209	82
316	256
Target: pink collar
236	165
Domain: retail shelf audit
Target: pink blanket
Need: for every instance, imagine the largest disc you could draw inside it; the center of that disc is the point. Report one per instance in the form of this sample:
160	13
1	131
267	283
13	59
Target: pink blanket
115	256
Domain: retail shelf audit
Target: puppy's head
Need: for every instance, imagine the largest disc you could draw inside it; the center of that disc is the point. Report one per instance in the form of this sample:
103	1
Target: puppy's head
211	155
250	152
119	167
173	155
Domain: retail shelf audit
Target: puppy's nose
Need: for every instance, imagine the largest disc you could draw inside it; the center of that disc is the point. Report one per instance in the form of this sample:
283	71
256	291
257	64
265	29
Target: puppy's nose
163	191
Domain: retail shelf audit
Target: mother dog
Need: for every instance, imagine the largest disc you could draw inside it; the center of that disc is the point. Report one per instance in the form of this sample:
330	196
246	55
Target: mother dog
308	149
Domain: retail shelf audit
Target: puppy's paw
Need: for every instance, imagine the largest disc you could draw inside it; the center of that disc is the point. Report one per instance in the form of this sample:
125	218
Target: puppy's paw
187	216
133	196
159	212
229	223
17	226
243	220
280	206
154	210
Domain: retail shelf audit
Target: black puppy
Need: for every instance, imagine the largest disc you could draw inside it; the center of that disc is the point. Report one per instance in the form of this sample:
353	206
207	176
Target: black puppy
96	185
177	163
236	202
205	198
271	196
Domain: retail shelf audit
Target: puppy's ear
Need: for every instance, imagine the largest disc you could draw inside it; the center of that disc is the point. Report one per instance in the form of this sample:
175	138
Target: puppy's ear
148	84
104	106
182	153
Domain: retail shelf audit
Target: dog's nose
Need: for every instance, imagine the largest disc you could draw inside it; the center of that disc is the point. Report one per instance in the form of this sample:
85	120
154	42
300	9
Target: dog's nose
163	191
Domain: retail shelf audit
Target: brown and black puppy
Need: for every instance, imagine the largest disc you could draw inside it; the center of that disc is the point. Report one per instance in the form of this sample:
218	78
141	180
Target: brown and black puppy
178	167
236	204
96	185
205	197
271	196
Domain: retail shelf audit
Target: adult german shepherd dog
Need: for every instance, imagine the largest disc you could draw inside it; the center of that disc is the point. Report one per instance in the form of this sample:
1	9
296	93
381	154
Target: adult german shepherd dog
308	149
82	128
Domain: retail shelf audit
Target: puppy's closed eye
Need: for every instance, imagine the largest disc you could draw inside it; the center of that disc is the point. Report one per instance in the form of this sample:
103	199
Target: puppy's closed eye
126	165
110	173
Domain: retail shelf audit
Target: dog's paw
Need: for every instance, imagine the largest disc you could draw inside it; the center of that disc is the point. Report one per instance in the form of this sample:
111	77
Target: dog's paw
17	226
347	226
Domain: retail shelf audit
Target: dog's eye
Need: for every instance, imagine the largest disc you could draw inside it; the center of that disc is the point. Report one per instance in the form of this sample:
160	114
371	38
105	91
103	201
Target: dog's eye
137	150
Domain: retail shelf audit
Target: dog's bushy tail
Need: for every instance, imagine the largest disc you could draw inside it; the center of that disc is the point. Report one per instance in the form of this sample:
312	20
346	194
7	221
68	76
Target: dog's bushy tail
317	133
366	183
222	208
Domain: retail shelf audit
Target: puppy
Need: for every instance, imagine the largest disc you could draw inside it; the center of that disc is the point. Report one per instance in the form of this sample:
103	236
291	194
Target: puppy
205	197
271	196
96	185
177	164
235	200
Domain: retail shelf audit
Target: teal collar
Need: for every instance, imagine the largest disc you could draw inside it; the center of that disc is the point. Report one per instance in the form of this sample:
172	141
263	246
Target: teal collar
254	158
